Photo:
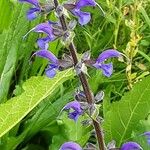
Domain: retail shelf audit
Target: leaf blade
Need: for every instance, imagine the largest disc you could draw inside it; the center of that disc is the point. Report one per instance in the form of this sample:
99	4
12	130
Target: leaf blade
36	89
124	115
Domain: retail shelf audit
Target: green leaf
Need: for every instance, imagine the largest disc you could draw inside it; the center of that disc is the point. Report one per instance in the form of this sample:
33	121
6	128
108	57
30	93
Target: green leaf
35	90
13	49
7	73
125	115
71	131
145	15
144	55
6	14
137	135
46	114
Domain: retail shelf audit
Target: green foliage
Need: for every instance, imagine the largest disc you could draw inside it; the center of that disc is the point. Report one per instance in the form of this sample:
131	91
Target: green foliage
137	134
42	121
12	49
35	90
124	113
124	116
68	130
5	14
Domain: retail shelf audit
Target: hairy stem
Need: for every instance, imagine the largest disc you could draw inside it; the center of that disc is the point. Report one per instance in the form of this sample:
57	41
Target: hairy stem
83	81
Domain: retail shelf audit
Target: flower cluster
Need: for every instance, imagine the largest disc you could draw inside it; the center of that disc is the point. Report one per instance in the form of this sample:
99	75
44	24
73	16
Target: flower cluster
53	30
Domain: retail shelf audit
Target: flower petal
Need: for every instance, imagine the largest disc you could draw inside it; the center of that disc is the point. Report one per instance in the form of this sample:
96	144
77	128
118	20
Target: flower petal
45	28
32	13
43	42
83	17
83	3
50	72
48	55
75	105
74	115
108	54
131	146
33	2
107	69
70	146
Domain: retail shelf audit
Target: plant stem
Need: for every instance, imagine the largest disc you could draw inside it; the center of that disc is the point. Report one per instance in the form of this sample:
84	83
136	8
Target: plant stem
83	81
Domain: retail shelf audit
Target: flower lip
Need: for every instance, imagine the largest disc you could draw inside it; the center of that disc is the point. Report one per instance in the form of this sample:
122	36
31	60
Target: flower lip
51	70
43	42
54	62
75	110
70	146
32	13
74	105
83	17
107	68
131	146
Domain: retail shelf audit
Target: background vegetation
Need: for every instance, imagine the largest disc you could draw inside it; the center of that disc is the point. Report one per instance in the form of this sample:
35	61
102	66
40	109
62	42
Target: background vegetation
31	103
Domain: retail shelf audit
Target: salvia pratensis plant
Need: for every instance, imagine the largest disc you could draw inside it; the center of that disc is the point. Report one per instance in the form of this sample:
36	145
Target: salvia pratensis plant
84	101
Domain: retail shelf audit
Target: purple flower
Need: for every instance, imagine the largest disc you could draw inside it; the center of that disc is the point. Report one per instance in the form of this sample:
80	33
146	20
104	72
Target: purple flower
32	12
46	28
70	146
147	134
83	17
107	69
54	62
43	42
131	146
76	107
